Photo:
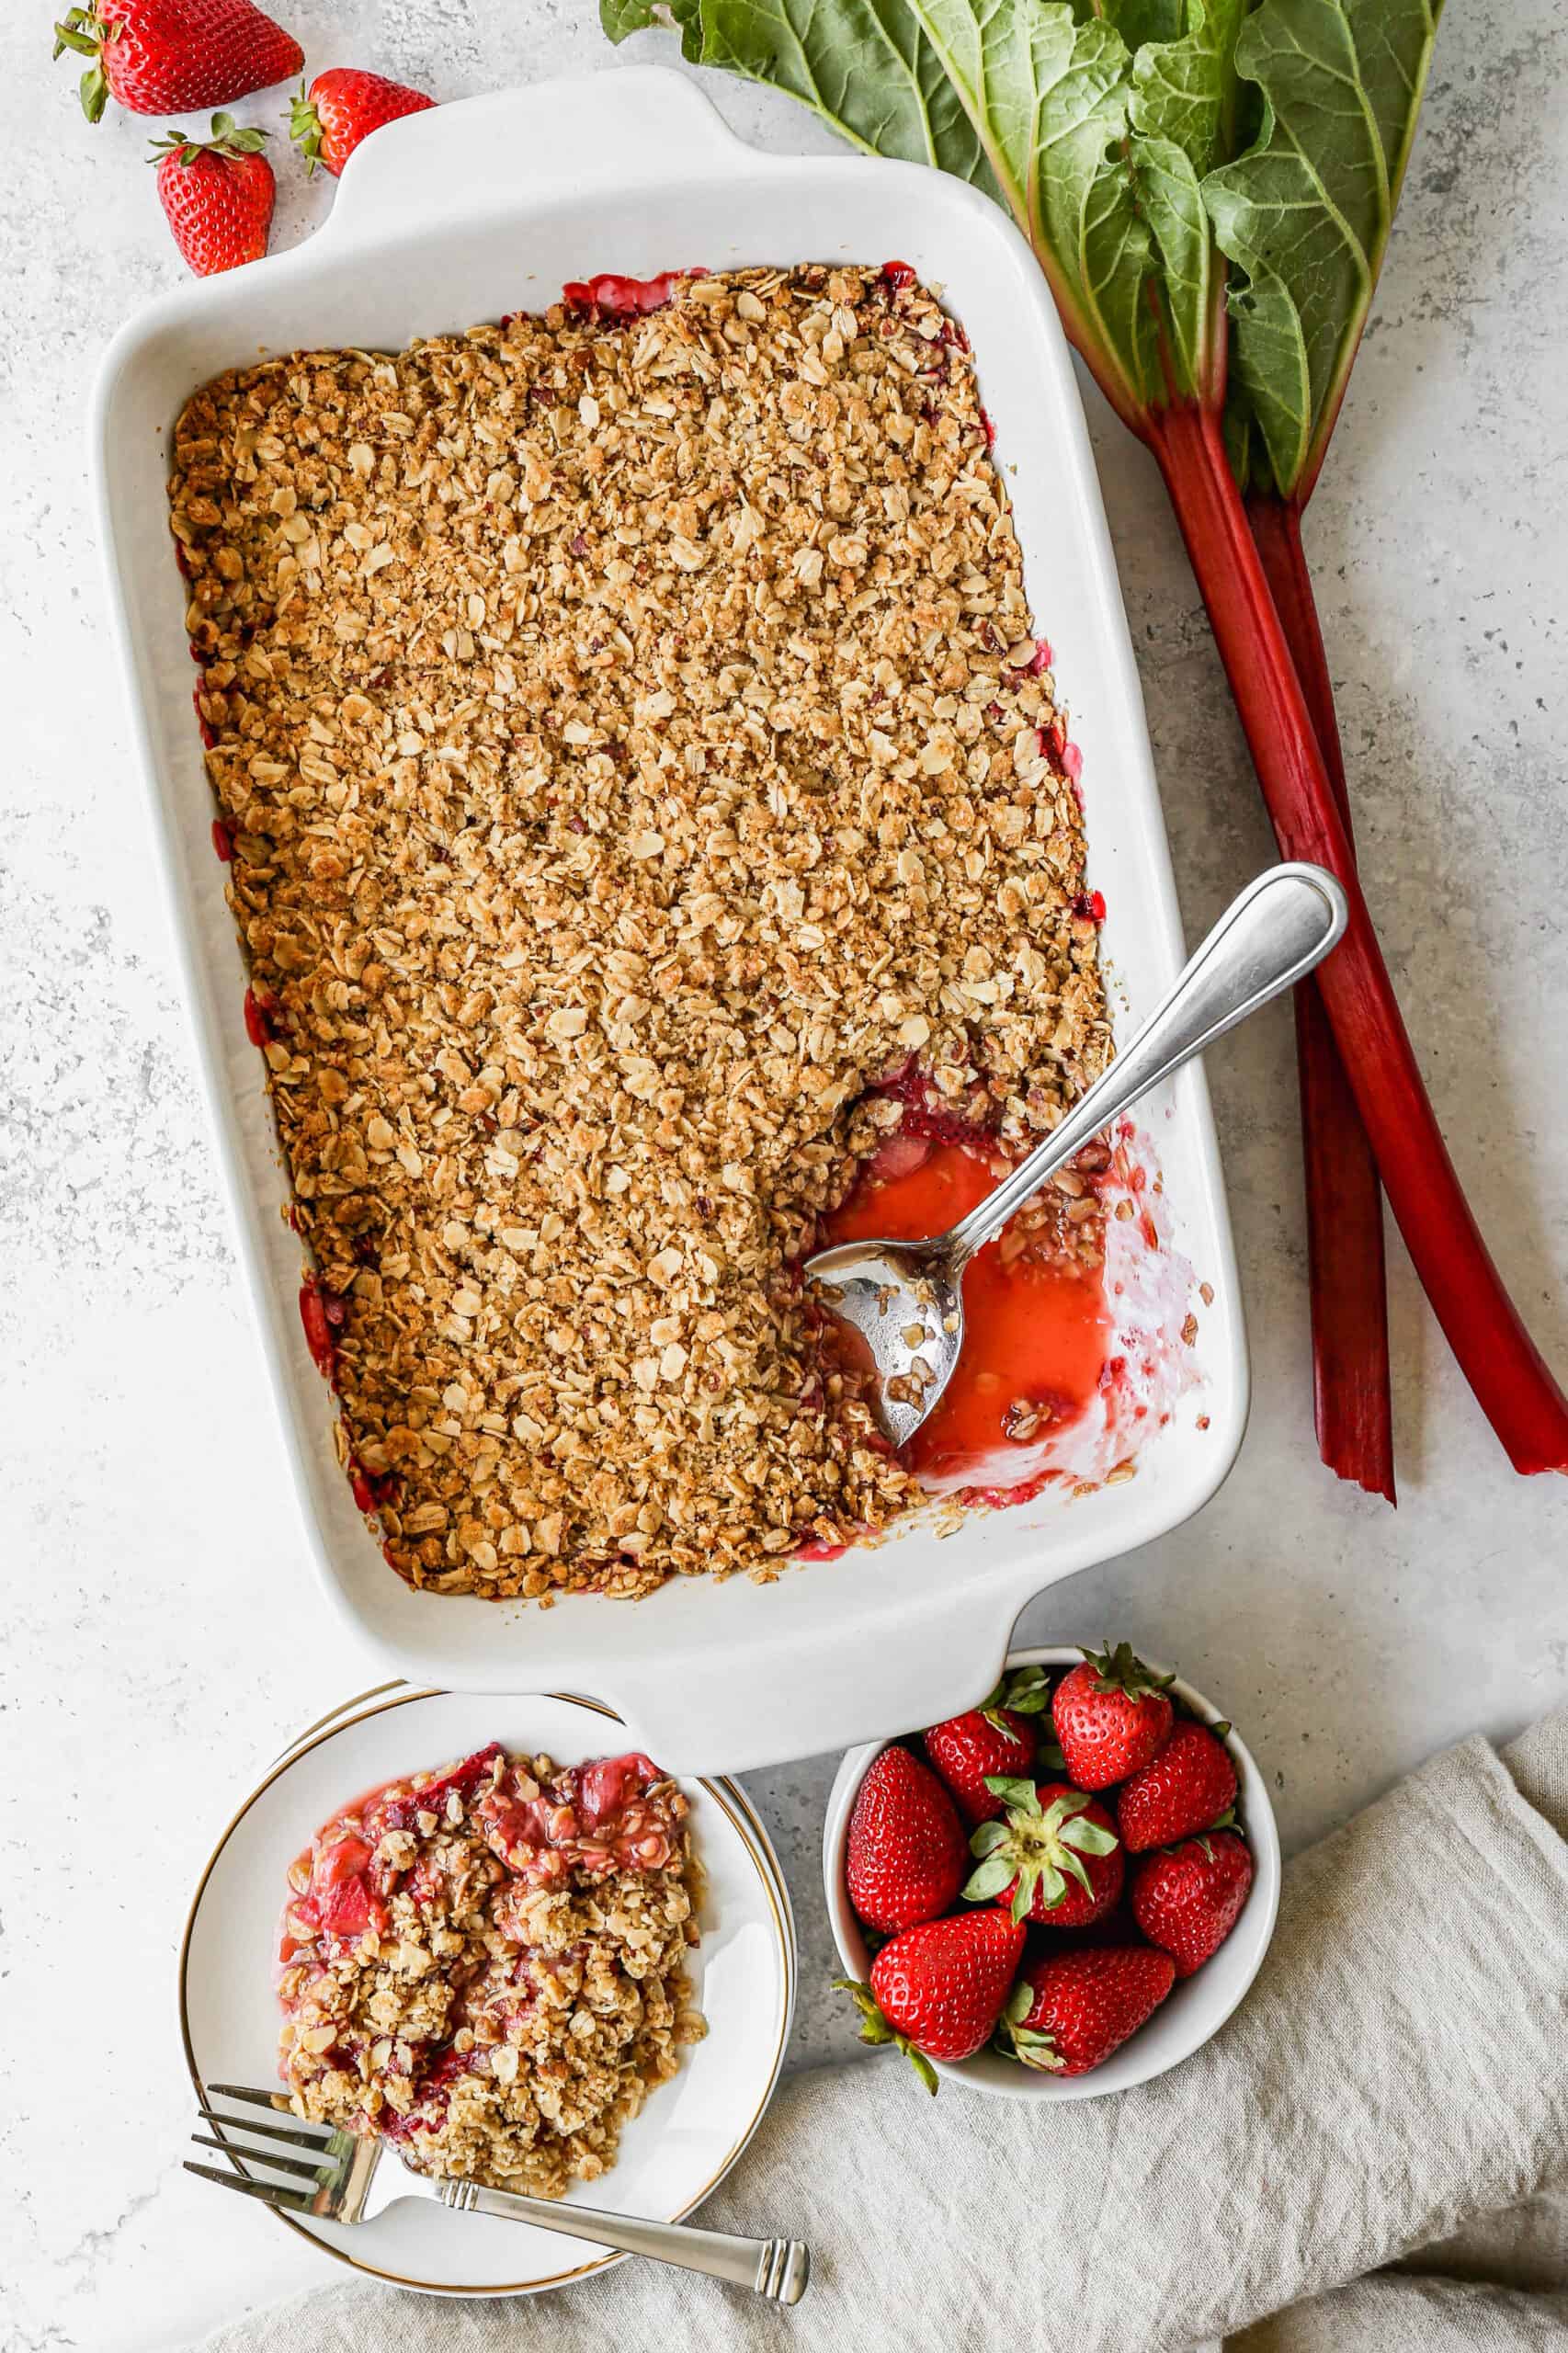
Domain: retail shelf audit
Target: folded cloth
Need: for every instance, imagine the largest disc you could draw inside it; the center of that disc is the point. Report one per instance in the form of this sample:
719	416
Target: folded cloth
1399	2069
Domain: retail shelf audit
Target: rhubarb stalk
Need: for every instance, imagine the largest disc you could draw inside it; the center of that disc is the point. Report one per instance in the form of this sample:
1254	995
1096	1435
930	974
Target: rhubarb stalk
1352	1396
1511	1380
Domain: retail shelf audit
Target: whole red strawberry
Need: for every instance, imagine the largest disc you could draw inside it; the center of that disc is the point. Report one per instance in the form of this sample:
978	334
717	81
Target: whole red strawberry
996	1739
1187	1901
173	56
1069	2013
1189	1786
1052	1856
1112	1715
342	106
217	195
938	1990
906	1850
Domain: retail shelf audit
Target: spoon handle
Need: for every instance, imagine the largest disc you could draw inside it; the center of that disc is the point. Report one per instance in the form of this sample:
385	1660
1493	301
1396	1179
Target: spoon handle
1268	939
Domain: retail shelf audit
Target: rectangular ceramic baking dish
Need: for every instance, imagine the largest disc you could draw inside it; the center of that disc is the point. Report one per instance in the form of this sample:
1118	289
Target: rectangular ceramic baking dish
451	216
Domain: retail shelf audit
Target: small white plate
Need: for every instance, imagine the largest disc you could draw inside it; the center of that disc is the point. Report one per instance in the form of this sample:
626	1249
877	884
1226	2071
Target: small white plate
692	2128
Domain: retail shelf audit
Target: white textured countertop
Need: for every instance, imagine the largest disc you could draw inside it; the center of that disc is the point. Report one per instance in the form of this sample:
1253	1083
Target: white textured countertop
165	1635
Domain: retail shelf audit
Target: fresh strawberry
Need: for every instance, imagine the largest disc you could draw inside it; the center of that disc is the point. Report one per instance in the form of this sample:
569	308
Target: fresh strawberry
1068	2014
217	195
996	1738
906	1852
983	1743
1187	1901
1053	1856
1189	1786
1112	1715
344	106
174	56
938	1990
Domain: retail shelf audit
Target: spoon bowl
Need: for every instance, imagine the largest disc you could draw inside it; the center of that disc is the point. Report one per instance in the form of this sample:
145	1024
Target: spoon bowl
903	1304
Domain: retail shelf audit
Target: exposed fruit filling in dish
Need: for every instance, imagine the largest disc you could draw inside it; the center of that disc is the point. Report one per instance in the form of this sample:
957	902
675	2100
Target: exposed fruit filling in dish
486	1964
654	839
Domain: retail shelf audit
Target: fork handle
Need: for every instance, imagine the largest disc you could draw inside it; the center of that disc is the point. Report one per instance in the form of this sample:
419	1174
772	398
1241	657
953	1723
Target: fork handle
778	2269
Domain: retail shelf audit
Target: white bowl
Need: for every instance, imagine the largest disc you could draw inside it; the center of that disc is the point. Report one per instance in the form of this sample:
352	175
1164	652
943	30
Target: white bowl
455	215
1193	2010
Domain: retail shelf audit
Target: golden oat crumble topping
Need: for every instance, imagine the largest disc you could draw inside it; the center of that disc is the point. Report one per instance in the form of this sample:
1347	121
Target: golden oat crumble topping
631	746
486	1965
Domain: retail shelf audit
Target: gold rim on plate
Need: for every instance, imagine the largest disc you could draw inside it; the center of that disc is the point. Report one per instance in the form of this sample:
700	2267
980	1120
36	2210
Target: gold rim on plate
731	1801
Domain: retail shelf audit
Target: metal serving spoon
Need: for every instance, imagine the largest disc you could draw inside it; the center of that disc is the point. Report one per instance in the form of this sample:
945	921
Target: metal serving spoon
905	1299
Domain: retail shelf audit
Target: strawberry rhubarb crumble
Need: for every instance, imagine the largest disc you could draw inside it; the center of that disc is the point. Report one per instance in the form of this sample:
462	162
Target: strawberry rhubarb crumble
487	1964
650	828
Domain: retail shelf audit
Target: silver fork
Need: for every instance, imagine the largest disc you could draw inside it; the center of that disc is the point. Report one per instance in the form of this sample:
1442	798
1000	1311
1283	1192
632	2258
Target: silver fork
338	2177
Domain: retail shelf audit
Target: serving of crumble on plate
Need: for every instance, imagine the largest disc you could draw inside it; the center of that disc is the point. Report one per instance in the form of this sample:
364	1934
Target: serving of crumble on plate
674	2135
485	1964
646	800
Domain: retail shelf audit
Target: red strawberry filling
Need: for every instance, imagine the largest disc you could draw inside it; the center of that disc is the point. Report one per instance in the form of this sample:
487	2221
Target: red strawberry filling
322	1313
623	297
1038	1326
594	1818
339	1904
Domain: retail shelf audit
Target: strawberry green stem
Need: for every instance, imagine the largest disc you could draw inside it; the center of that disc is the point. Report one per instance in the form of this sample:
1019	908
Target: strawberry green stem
1510	1379
1352	1401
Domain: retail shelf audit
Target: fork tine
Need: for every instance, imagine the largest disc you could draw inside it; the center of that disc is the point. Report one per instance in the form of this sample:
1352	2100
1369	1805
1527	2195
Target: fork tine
273	2100
294	2199
302	2137
275	2158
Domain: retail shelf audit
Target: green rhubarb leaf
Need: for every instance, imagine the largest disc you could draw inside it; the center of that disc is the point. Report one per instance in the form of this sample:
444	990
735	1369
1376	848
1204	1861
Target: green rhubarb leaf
1304	214
619	17
1096	147
1141	20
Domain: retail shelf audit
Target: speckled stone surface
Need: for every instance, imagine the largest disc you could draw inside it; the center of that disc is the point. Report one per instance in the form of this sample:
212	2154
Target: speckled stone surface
163	1634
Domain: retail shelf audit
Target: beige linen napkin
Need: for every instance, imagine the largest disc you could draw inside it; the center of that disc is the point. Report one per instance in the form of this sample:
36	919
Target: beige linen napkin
1399	2069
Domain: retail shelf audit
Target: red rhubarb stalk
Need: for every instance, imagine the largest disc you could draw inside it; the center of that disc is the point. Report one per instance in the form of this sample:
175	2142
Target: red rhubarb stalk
1352	1400
1511	1380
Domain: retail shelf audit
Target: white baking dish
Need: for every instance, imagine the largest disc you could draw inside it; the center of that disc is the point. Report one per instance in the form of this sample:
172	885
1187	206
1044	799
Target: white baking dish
451	216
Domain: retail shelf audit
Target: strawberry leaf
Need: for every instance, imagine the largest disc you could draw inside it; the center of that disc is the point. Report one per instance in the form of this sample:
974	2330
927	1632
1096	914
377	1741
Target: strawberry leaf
1304	214
1021	1797
874	2027
918	2060
1121	1669
1027	1692
1070	1862
1036	2050
1088	1837
982	1886
1062	1809
987	1837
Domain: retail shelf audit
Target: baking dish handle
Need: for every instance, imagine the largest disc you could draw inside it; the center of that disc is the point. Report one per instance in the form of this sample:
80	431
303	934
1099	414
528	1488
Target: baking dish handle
620	128
850	1679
